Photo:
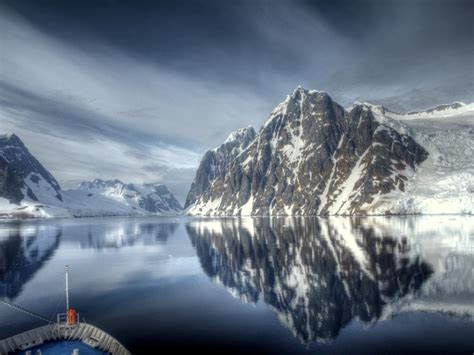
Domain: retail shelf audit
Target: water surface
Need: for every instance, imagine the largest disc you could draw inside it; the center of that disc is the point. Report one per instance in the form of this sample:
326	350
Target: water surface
279	285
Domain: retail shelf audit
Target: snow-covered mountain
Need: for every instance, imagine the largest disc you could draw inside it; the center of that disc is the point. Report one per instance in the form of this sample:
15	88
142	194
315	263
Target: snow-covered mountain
135	198
28	190
22	176
313	157
215	160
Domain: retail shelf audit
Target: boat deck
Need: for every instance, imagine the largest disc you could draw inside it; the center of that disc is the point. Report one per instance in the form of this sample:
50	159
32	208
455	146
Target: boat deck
94	337
63	347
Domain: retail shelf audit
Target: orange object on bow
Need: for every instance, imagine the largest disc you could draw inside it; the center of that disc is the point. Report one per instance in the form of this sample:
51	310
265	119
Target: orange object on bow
71	316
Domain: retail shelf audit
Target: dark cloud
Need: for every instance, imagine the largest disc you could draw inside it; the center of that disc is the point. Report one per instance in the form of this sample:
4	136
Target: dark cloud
252	42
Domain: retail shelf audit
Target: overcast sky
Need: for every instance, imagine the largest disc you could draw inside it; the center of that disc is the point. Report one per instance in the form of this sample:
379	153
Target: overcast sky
139	90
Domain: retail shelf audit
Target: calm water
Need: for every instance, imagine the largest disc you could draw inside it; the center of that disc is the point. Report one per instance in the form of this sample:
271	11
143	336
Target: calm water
336	285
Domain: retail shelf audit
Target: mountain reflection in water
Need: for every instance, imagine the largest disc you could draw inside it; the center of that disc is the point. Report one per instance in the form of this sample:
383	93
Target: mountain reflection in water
317	274
24	250
110	236
330	281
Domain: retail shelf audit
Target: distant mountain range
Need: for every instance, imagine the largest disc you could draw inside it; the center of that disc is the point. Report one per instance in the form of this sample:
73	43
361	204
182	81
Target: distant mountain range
141	198
28	190
313	157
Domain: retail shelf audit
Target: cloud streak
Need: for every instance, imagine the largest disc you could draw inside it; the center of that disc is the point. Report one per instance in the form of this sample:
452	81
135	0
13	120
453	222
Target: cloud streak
106	114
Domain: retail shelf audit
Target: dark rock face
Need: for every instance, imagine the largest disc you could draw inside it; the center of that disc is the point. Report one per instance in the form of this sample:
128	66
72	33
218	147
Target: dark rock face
312	157
22	176
317	274
380	159
214	162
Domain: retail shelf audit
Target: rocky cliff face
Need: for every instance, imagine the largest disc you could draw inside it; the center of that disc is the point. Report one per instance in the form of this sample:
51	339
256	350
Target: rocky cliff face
313	157
215	160
22	177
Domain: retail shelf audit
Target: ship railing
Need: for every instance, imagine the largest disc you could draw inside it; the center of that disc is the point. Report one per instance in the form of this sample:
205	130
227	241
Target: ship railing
62	320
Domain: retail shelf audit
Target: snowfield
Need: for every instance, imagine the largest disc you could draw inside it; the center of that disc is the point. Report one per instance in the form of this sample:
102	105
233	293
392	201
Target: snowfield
444	182
30	209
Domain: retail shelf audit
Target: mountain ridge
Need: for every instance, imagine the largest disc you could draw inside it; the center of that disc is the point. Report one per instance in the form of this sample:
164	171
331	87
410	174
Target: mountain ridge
28	190
438	111
375	184
310	157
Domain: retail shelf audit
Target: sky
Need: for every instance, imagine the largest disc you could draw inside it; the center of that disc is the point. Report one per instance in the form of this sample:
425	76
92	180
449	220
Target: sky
139	90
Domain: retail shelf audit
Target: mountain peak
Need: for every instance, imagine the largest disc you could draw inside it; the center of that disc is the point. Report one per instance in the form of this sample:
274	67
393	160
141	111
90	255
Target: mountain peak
297	98
301	92
298	89
7	135
369	106
240	134
11	138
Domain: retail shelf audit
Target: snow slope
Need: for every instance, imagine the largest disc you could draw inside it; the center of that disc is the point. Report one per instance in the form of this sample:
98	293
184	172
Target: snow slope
31	209
444	182
106	197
